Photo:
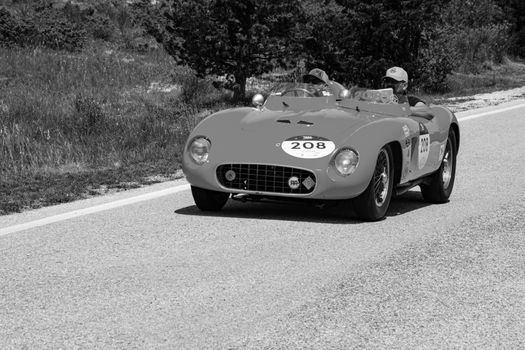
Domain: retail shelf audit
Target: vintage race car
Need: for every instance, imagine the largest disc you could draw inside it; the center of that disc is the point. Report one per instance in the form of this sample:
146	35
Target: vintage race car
307	142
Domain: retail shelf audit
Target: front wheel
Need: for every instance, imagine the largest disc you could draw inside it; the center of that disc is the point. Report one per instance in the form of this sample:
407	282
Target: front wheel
442	181
373	203
208	200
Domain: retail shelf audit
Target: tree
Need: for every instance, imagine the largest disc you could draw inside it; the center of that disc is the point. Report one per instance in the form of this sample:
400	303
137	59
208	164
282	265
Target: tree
475	32
320	35
357	41
238	37
514	11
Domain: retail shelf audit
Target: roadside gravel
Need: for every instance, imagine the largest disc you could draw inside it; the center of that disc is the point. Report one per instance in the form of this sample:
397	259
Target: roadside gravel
464	103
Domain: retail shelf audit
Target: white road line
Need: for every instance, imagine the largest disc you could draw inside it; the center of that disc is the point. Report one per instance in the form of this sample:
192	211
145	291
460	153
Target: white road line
91	210
479	115
157	194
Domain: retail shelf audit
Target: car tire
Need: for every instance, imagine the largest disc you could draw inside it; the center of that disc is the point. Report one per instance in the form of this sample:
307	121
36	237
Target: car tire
208	200
440	186
373	203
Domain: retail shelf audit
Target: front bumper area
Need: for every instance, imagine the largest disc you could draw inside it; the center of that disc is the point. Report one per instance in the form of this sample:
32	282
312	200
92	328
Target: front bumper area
259	179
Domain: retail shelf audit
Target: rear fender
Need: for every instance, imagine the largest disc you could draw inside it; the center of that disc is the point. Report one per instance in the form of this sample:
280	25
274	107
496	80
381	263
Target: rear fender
446	120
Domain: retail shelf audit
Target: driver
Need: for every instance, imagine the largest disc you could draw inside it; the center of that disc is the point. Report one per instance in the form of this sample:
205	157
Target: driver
319	77
396	78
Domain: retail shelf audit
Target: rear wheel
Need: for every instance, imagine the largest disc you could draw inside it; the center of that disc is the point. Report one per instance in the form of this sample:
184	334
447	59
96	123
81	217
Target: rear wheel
373	203
442	181
208	200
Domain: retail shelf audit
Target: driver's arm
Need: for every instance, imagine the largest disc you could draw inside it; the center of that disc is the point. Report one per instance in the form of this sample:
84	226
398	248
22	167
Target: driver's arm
421	110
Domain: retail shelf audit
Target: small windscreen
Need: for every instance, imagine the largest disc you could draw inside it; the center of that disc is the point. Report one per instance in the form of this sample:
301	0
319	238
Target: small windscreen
305	90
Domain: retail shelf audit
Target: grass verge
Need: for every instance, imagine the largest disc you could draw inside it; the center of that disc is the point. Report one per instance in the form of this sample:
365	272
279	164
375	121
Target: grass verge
71	122
36	190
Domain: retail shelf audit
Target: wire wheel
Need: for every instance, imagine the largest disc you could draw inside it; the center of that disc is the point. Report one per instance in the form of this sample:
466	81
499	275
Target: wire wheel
448	164
440	184
381	178
373	203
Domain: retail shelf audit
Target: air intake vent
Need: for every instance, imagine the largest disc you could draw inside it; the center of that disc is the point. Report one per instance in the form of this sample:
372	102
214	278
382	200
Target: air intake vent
304	122
266	178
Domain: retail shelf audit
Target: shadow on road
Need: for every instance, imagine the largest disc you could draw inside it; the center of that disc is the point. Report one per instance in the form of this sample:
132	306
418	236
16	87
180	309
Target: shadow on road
341	213
410	201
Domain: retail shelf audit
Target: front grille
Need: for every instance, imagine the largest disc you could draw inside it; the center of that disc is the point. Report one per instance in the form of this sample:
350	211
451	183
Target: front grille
266	178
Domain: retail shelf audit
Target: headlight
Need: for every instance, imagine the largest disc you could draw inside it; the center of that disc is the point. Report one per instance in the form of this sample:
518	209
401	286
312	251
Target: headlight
345	161
199	150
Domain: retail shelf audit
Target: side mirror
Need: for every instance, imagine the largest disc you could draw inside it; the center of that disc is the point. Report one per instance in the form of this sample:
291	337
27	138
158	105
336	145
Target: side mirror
344	94
258	100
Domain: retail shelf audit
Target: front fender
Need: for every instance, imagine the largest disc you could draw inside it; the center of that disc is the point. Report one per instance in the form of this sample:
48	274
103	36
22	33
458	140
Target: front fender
367	141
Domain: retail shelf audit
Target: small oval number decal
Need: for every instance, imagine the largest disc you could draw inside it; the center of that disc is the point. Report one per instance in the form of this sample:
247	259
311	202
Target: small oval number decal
308	147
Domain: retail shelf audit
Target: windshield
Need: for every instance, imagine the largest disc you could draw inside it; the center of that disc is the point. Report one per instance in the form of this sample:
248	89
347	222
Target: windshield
301	90
373	96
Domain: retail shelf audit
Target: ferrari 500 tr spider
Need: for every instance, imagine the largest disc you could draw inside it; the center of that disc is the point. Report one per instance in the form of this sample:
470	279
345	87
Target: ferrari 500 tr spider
305	142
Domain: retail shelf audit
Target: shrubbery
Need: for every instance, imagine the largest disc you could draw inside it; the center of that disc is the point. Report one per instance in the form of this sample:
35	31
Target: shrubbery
472	47
88	118
101	27
44	27
14	30
69	26
474	32
434	64
54	30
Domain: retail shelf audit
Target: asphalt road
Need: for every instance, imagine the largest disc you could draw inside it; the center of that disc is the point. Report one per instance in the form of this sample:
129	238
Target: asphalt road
160	274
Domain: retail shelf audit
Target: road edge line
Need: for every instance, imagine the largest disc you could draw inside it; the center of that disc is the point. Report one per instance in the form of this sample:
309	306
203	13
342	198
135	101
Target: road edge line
94	209
484	114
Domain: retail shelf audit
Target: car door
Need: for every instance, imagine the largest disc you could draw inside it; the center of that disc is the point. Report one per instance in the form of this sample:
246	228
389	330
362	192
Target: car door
427	146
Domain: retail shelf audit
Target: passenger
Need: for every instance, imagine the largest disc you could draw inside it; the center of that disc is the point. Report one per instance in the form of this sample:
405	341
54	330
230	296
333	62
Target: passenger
396	78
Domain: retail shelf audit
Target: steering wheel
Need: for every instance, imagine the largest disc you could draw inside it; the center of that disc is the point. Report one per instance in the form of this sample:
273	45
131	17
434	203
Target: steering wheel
294	90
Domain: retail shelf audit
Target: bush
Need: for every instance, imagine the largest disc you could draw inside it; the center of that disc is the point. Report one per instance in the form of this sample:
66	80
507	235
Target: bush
13	30
54	30
434	65
45	27
101	27
475	32
473	47
89	116
197	91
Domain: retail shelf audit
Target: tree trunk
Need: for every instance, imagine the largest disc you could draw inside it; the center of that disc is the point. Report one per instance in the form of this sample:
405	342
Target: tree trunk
239	89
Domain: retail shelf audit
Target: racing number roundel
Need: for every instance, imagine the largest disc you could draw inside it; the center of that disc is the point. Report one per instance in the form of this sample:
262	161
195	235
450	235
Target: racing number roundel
308	147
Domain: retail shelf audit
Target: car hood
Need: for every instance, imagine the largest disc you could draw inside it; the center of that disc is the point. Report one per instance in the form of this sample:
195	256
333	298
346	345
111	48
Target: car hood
333	123
240	134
